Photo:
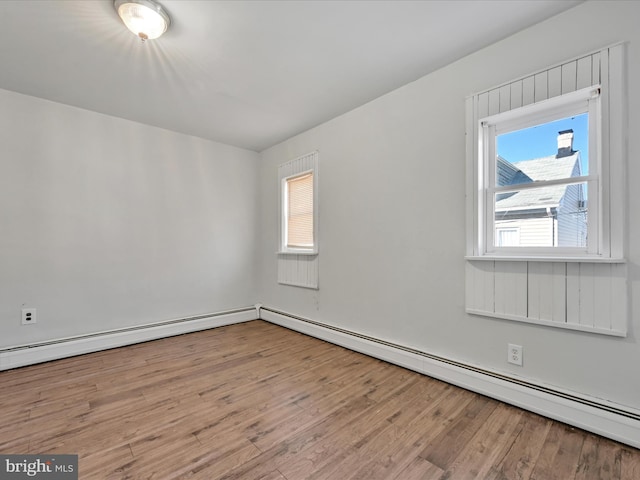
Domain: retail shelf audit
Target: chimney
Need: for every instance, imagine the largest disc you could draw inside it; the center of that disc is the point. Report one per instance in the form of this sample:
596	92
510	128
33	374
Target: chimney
565	143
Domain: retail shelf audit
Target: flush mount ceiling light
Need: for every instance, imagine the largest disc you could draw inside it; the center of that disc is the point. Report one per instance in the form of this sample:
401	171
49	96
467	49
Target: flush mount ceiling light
145	18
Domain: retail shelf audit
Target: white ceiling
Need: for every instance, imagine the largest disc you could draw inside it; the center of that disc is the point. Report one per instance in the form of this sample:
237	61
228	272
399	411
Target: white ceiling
246	73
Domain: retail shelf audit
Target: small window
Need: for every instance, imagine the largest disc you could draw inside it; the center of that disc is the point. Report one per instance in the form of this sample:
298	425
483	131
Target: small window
299	206
299	211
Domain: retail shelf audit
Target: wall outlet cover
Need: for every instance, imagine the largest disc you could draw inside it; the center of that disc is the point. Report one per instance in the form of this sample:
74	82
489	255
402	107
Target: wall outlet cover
28	316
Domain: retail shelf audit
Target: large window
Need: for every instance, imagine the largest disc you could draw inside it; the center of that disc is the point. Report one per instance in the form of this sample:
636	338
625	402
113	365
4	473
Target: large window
545	197
541	167
545	163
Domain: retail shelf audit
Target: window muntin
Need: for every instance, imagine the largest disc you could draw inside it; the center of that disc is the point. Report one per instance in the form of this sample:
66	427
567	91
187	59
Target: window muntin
554	186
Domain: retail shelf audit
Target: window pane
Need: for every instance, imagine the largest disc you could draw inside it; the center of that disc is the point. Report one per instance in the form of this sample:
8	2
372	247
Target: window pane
300	211
550	151
552	216
507	237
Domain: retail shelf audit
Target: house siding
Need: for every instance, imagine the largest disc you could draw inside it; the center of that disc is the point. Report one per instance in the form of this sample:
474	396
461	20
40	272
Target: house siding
533	232
572	226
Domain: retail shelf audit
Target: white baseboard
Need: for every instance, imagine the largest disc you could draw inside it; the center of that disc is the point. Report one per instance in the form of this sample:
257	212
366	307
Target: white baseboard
591	414
53	350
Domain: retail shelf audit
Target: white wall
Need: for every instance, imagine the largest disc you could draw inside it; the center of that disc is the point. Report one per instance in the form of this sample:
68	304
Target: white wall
107	223
392	243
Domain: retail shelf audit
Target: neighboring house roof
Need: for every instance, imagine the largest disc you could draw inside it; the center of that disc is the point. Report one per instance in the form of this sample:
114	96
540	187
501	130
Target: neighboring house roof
546	168
509	174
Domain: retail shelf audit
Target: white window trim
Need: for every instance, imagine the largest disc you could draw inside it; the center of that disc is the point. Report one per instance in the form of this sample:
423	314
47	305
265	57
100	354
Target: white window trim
586	100
283	248
609	175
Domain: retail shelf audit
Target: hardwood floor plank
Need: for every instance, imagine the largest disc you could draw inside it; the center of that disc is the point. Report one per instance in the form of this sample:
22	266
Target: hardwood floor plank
630	464
327	455
488	444
521	457
599	460
257	401
109	465
560	454
275	475
341	456
444	448
420	469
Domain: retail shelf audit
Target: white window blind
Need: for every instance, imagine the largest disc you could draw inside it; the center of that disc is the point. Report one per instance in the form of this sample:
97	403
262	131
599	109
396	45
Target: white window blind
300	211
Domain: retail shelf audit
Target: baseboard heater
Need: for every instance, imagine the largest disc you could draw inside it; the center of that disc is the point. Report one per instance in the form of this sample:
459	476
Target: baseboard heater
613	421
21	355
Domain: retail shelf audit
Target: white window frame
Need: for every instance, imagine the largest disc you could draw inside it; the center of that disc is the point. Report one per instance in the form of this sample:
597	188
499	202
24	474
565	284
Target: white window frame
284	233
607	149
283	248
586	100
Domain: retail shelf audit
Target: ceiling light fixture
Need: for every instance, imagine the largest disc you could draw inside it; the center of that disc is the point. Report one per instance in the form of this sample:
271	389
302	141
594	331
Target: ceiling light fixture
145	18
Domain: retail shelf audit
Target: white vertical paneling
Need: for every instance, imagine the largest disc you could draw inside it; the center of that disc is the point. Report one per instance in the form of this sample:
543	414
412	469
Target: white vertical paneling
559	292
584	73
602	288
480	284
472	287
540	295
617	146
596	77
469	286
587	294
569	77
505	98
554	82
516	94
547	291
541	87
470	174
537	273
573	293
528	90
619	310
494	101
483	105
610	302
298	270
546	84
511	288
606	138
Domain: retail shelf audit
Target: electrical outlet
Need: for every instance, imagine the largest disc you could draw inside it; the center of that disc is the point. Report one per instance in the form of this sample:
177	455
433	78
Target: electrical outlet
28	316
514	354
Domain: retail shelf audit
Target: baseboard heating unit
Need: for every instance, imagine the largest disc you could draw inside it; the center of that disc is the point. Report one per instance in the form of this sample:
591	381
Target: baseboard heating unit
604	418
21	355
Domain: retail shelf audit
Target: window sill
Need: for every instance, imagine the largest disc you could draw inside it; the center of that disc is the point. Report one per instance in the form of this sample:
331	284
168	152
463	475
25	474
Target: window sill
548	323
533	258
297	252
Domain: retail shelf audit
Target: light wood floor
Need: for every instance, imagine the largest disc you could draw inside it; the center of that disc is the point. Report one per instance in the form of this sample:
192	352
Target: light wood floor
256	401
